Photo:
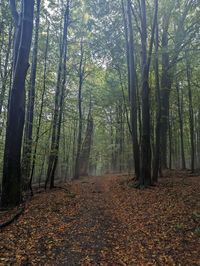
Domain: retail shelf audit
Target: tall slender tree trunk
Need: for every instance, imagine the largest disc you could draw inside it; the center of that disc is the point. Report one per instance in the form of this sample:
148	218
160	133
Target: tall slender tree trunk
79	140
156	162
85	153
145	176
28	132
11	184
180	115
133	98
166	83
170	124
191	113
59	103
40	112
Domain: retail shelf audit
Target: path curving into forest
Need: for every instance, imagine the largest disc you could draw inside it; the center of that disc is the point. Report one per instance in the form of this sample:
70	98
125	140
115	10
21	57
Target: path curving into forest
103	221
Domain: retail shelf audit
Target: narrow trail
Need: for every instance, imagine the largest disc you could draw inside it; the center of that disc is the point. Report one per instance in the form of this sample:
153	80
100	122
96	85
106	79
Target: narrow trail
95	234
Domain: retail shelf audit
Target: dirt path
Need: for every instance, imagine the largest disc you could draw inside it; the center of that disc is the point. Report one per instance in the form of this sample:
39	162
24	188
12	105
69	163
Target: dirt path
94	236
103	221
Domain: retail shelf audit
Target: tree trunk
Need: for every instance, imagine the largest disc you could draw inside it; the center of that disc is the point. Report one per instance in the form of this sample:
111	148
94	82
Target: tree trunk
59	103
41	111
79	140
180	109
166	81
145	176
11	184
5	71
133	99
85	153
28	131
156	163
191	113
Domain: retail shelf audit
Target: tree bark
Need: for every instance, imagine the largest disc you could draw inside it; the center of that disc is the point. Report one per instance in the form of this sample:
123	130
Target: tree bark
11	184
28	131
156	162
85	153
180	109
145	176
133	98
79	140
191	113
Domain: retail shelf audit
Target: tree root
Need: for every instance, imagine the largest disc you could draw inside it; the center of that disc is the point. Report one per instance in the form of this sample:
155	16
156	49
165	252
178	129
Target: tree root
13	218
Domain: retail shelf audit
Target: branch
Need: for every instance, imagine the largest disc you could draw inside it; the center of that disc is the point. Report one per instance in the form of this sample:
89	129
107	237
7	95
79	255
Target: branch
136	20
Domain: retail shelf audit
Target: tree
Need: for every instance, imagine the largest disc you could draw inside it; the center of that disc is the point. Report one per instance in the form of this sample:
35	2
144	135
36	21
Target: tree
86	147
59	102
11	184
156	161
81	74
132	86
28	132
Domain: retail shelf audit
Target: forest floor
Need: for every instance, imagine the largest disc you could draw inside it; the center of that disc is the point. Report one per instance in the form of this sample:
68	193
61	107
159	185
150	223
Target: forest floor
104	221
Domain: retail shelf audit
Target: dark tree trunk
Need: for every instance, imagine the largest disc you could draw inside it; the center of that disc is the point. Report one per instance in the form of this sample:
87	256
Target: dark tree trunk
145	176
11	184
133	98
28	131
156	162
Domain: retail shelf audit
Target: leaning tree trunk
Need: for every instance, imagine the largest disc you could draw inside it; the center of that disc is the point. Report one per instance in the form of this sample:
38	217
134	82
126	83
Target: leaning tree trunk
11	184
28	132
